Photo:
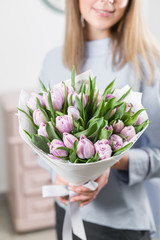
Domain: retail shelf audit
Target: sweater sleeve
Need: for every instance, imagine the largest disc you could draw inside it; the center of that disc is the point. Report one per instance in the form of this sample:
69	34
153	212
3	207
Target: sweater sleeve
143	164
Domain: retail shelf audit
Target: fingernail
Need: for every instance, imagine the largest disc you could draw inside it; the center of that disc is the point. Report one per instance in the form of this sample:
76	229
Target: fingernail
72	200
78	189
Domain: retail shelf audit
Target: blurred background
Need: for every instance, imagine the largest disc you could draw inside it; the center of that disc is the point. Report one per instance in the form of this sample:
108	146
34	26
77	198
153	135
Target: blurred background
28	30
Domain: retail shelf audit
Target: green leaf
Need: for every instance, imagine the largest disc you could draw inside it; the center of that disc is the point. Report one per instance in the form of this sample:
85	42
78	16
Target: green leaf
78	104
105	134
41	142
82	105
73	74
108	89
95	103
70	101
119	113
30	118
80	87
109	107
73	151
59	113
30	111
44	114
84	132
38	103
65	149
139	128
50	132
61	157
124	95
51	108
27	133
92	130
121	150
64	110
43	86
133	119
100	109
60	135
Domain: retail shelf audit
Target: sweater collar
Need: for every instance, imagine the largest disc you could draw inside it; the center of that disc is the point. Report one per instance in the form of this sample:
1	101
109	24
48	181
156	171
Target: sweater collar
98	47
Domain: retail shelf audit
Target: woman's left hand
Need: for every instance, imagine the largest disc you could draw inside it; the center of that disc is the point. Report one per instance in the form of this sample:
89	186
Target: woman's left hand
85	195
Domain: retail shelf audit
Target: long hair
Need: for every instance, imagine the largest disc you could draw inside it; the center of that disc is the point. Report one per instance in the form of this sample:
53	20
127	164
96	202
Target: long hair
131	40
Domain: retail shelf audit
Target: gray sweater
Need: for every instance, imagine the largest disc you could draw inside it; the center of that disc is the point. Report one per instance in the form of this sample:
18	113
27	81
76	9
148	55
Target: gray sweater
123	203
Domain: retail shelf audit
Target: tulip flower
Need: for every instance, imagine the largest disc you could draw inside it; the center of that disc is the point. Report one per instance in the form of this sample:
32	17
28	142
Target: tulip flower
42	129
57	152
116	142
118	126
138	121
85	98
85	148
128	132
64	123
69	89
38	117
109	96
73	111
57	97
129	105
32	101
68	140
103	148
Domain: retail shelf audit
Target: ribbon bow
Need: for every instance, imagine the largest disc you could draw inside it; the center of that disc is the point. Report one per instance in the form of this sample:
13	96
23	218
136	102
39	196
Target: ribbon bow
72	220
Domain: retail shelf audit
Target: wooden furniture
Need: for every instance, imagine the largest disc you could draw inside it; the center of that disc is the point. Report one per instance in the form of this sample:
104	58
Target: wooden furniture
30	211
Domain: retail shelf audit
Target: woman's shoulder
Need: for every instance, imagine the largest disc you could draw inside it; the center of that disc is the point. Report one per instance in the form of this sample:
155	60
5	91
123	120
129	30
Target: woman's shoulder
53	68
54	54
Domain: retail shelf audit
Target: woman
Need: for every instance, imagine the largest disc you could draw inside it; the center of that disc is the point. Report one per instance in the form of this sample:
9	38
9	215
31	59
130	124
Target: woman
110	37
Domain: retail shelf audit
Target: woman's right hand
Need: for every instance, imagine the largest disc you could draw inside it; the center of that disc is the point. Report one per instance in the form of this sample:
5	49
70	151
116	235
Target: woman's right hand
62	181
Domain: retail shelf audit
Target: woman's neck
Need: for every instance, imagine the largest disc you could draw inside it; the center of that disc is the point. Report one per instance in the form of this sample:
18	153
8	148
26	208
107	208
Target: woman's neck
95	34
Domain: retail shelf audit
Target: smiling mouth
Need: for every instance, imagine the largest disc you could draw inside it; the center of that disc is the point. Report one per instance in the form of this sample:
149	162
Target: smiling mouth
103	12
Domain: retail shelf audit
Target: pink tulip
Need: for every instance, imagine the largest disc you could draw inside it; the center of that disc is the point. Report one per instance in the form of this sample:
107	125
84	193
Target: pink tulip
103	148
57	98
138	121
73	111
109	128
42	129
85	98
38	117
68	140
69	89
128	132
85	148
129	105
109	96
116	142
57	152
32	101
118	126
64	123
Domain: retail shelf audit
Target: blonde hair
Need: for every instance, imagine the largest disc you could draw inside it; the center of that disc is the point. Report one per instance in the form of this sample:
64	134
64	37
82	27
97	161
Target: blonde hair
131	41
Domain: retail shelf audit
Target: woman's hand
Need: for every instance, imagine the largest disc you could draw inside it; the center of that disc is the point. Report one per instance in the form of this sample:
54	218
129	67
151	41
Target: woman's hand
123	163
85	195
62	181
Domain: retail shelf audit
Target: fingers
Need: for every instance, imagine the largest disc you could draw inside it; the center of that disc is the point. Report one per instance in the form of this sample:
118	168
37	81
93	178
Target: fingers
81	190
116	164
63	200
61	181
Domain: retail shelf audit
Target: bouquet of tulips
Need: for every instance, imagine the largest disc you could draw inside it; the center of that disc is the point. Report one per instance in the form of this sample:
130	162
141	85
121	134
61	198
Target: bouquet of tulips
79	130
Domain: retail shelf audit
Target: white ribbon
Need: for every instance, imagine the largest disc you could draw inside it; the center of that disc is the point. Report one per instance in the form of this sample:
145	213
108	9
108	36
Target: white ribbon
72	220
